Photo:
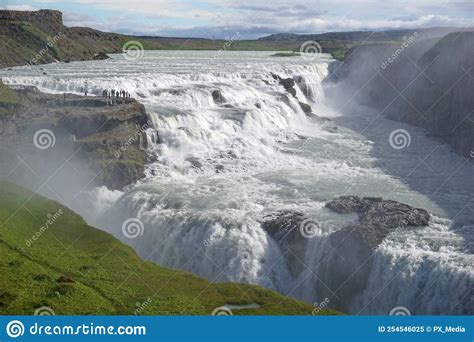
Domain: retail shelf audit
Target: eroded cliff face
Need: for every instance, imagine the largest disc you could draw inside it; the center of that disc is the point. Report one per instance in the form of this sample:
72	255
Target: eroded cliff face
104	139
38	37
49	20
429	83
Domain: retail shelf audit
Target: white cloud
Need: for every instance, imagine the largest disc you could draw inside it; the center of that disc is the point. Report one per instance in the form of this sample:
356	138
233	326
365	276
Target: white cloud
258	17
19	8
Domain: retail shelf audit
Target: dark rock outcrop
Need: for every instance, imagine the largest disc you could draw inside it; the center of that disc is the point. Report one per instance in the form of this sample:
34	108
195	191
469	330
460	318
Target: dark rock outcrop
195	162
377	217
218	97
306	108
49	20
284	228
287	83
351	249
346	255
304	86
100	56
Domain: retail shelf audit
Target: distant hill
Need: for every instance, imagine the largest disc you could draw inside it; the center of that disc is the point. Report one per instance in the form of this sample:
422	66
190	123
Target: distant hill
52	259
368	36
339	43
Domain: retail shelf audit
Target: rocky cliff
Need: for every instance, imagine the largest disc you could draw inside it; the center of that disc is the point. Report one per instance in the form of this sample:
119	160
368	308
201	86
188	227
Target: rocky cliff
427	82
104	139
38	37
48	20
349	250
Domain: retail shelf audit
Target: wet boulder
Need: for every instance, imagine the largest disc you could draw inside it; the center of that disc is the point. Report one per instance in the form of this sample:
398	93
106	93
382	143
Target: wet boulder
347	204
287	83
351	249
218	97
378	217
306	108
100	56
304	86
284	228
195	162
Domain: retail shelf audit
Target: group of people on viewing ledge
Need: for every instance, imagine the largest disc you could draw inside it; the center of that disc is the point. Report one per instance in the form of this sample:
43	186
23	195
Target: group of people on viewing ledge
108	94
115	94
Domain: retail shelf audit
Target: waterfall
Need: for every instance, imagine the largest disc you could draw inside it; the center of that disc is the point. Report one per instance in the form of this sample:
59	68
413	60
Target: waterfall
231	146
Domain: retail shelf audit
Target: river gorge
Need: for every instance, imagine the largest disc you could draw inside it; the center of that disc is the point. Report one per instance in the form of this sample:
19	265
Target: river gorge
233	145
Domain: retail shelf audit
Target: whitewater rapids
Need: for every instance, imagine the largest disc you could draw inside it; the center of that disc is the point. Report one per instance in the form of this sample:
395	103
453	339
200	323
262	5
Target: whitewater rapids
220	168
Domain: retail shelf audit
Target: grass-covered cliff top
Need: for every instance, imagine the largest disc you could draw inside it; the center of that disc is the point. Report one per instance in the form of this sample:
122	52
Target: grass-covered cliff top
76	269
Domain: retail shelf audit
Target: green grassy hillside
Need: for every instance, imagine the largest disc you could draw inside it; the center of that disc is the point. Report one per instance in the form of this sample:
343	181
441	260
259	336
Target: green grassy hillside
76	269
10	101
9	96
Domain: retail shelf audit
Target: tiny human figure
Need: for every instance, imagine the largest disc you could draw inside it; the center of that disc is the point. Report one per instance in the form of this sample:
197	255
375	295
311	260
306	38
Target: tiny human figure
85	93
113	92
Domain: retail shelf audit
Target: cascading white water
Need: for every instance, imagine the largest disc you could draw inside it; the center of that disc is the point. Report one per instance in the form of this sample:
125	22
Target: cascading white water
222	166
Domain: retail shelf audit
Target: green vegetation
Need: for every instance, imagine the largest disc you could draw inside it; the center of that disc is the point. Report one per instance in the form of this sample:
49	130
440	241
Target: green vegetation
9	96
286	54
76	269
10	100
339	54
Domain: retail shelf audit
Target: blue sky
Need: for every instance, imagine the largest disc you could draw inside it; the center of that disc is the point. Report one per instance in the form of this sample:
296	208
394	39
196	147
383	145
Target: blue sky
253	19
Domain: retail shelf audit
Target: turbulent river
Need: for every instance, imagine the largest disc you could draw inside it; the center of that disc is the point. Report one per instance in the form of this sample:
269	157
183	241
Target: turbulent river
220	168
